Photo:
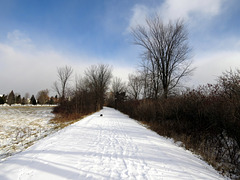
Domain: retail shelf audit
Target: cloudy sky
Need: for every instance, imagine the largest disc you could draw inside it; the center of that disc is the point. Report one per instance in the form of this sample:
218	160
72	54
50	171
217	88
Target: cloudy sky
37	36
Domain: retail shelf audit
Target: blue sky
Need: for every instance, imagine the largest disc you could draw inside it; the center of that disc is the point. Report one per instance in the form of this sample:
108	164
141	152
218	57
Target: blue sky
37	36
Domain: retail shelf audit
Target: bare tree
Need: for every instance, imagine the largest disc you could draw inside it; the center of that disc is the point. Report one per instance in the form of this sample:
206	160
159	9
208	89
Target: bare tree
118	85
118	91
152	80
166	51
229	82
64	75
80	93
135	86
98	79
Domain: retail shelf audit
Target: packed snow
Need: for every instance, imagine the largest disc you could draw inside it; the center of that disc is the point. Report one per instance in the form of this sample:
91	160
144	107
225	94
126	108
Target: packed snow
111	146
20	126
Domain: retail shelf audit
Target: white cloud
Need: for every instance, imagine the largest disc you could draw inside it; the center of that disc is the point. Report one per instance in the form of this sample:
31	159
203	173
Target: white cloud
27	72
19	39
212	65
173	9
190	10
123	72
24	69
140	12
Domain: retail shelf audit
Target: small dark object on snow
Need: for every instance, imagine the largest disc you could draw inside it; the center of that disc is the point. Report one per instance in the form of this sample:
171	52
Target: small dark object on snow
101	114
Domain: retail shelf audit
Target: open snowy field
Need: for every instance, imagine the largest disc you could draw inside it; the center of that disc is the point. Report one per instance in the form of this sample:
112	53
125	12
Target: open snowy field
20	126
111	146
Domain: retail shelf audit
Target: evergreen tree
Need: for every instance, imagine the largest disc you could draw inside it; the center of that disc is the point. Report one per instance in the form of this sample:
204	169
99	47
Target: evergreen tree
11	98
51	101
2	100
33	100
23	102
18	99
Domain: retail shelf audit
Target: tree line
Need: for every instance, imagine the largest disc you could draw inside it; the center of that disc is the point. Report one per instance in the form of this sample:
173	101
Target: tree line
41	98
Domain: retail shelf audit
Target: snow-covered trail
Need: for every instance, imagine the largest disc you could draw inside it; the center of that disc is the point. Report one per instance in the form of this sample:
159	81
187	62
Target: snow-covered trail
111	146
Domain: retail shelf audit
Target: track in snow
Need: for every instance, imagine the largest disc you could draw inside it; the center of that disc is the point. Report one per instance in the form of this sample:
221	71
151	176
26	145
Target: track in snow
109	147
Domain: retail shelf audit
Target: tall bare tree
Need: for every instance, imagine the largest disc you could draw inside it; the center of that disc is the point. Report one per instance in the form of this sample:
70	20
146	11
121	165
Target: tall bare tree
135	86
98	78
64	75
166	51
118	91
118	86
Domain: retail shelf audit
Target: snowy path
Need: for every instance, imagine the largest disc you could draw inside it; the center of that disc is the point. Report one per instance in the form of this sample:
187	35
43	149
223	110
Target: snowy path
108	147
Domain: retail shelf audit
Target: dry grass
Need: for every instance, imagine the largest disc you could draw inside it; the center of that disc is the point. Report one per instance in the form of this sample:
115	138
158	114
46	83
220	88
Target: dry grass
21	126
15	139
63	120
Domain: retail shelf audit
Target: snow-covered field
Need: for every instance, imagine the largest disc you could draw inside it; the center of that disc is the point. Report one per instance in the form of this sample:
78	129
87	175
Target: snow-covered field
111	146
20	126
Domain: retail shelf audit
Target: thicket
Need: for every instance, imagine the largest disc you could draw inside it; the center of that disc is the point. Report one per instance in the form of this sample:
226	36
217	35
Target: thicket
206	120
81	103
87	96
75	107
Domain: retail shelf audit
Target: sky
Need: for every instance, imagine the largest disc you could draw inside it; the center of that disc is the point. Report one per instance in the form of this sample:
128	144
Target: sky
39	36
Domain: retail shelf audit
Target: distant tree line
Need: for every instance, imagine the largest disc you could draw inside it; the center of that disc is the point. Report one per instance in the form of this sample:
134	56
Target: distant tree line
42	98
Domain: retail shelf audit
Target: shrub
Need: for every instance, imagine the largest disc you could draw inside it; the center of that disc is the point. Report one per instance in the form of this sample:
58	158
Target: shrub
206	120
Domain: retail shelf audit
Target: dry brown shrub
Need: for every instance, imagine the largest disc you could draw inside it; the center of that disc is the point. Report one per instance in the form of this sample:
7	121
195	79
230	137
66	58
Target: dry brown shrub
205	120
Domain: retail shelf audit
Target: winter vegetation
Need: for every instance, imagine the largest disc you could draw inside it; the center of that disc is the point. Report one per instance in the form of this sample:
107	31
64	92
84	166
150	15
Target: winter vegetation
89	93
111	146
205	120
16	99
21	126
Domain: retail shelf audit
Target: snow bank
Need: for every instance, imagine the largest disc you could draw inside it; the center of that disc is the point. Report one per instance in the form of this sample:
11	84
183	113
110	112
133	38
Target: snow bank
111	146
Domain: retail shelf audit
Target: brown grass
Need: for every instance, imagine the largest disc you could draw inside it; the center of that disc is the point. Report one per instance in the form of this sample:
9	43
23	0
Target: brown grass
63	120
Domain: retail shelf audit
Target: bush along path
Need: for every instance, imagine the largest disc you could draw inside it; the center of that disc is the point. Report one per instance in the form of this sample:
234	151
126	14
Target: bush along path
110	146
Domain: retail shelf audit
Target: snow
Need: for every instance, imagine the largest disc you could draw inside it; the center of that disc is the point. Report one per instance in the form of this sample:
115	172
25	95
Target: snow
111	146
20	126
